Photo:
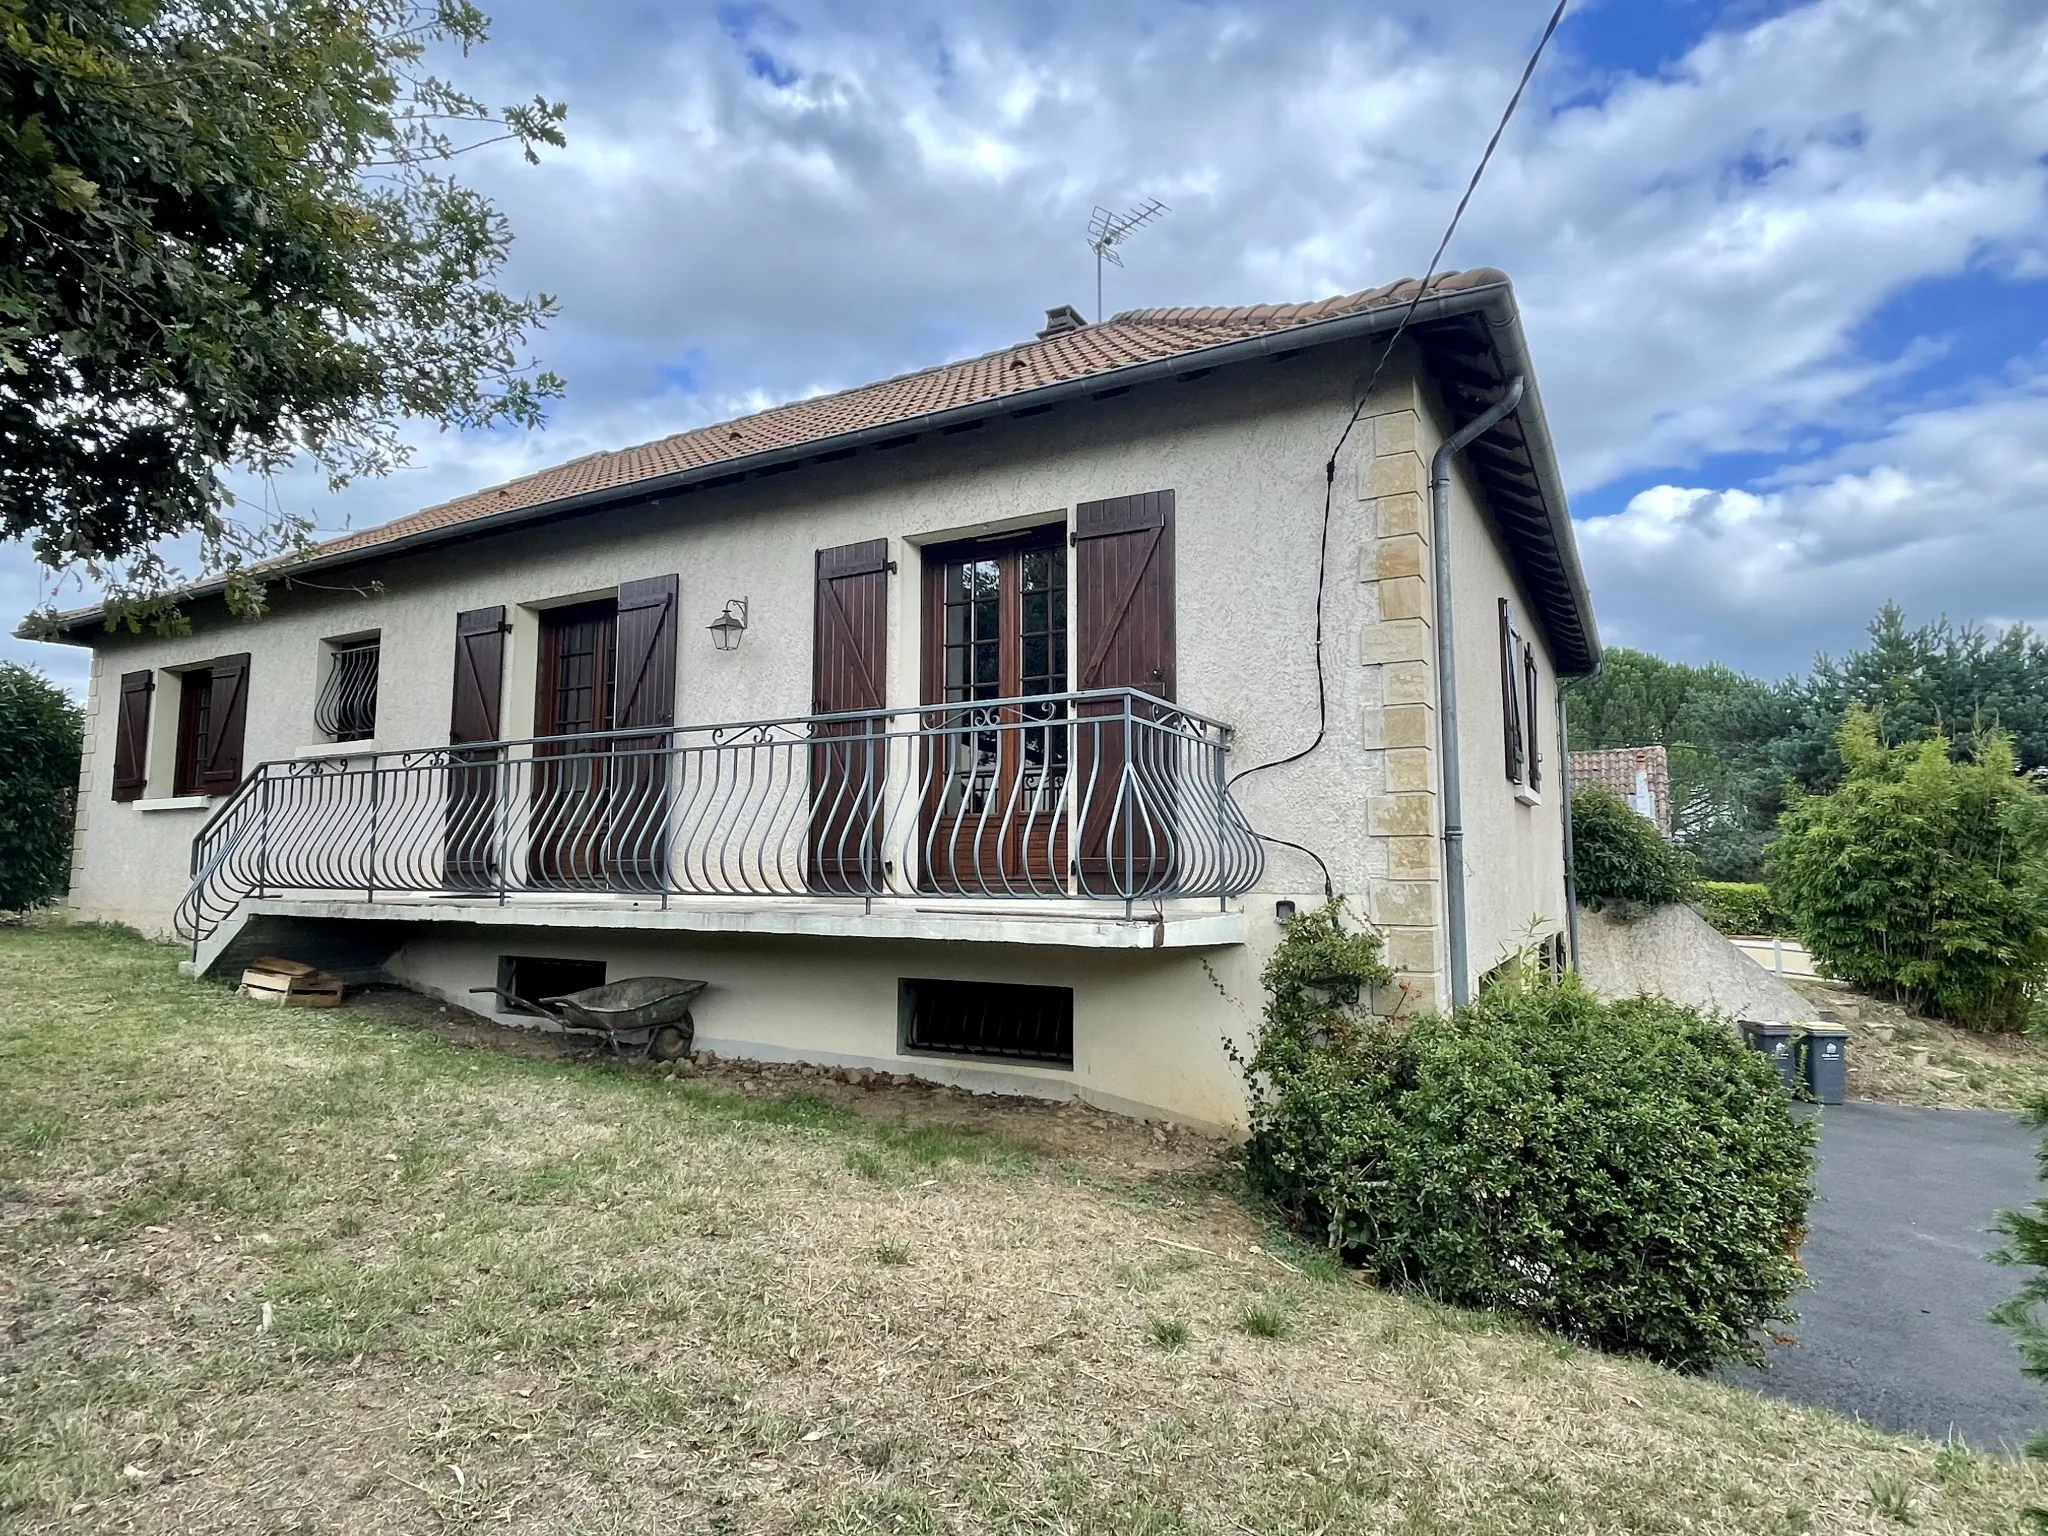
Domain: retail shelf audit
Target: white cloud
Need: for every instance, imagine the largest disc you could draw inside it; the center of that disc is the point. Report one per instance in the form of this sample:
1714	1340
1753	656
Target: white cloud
1695	251
1944	514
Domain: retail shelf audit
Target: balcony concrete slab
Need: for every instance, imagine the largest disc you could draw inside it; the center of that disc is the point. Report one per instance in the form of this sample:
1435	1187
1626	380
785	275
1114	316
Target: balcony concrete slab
1044	924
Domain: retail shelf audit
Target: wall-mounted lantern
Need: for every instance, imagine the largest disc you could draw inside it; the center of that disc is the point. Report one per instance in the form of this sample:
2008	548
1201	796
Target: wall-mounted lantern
727	628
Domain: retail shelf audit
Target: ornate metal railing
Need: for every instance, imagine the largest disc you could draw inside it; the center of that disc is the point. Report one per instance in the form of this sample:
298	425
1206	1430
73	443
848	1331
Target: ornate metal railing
1112	796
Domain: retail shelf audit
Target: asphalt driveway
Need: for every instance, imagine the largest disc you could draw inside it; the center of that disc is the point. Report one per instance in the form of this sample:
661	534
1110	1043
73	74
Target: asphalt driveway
1894	1331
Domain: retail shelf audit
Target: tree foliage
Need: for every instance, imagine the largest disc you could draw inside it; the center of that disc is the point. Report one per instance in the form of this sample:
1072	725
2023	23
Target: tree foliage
1737	745
1625	1174
227	237
1718	728
42	730
1924	875
1620	858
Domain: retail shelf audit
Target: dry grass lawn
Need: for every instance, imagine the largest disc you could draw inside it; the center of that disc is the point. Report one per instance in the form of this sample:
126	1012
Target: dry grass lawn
294	1271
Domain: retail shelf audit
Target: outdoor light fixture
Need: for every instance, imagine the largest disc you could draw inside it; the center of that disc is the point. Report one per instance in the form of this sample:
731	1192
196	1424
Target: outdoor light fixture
727	628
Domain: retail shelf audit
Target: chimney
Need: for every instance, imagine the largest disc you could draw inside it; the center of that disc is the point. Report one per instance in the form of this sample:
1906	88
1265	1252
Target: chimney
1060	321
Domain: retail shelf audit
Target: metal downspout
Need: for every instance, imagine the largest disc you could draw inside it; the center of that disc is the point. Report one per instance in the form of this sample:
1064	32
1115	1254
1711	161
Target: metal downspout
1447	681
1564	779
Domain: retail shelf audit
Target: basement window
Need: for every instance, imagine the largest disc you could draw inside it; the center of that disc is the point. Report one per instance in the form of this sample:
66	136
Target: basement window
987	1020
532	977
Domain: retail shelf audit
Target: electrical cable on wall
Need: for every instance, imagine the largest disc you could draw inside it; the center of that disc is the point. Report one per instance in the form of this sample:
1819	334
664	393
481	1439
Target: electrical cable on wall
1358	410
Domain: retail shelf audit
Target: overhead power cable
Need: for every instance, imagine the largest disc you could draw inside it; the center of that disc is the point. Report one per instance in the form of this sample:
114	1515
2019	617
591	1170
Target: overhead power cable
1330	467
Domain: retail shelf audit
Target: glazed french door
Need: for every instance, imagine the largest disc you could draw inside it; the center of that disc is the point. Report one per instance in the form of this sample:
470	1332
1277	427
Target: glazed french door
996	802
571	778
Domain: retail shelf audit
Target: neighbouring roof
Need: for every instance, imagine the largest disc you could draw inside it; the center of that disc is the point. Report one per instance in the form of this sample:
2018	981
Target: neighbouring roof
1617	769
1466	326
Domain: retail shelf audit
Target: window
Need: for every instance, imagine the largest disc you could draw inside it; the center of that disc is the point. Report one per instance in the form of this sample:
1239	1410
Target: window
212	709
347	707
195	729
993	1020
533	977
996	628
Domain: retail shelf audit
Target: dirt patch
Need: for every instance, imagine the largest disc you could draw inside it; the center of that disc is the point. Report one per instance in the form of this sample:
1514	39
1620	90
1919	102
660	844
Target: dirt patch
406	1009
1898	1057
1067	1130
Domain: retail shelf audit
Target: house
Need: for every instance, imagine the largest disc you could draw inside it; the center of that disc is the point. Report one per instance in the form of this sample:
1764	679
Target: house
1640	777
977	724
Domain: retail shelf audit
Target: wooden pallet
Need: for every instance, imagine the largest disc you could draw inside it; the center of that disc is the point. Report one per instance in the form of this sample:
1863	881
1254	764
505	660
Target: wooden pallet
270	979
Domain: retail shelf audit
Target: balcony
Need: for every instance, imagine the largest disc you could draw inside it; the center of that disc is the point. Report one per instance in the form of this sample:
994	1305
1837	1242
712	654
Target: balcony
1094	802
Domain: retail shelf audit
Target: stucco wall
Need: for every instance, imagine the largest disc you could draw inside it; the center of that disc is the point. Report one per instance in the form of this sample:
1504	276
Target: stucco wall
1243	454
1243	450
1149	1028
1514	850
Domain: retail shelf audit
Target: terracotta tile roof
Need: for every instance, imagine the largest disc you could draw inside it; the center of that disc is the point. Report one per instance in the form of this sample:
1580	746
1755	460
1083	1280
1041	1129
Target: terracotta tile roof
1617	767
1135	336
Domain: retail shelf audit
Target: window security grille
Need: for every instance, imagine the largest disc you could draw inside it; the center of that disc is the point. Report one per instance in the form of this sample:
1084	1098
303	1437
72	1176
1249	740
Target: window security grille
989	1019
347	707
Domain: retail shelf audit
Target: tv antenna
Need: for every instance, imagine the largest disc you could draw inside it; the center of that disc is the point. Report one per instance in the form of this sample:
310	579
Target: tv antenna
1107	231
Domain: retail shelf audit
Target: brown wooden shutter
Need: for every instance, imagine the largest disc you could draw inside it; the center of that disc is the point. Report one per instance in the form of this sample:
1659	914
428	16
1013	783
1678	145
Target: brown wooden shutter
1510	697
849	673
850	640
1124	634
645	693
131	735
1532	737
471	840
1123	593
220	769
479	675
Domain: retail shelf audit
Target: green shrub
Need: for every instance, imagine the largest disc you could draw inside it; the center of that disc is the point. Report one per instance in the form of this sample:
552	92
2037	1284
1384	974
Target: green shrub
2026	1243
1740	906
42	730
1625	1174
1619	857
1315	980
1923	877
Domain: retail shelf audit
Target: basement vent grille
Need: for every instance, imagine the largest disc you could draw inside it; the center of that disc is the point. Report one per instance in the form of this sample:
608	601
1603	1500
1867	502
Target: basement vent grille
991	1020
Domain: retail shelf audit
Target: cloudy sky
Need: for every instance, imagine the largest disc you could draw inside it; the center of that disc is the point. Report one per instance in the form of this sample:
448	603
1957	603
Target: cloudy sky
1784	267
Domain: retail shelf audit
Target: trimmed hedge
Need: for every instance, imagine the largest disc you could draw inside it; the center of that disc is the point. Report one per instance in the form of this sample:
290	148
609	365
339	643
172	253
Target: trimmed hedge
1620	857
1742	907
1626	1174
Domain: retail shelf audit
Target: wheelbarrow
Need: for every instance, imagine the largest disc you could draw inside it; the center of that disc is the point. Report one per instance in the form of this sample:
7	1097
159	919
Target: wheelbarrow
648	1013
